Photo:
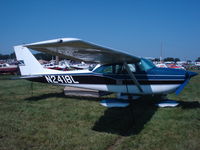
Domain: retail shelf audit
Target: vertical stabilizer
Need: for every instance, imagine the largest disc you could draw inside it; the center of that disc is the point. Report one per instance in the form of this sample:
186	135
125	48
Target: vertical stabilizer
28	64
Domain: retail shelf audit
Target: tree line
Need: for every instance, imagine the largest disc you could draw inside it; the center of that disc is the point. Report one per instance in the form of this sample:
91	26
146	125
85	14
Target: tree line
43	56
175	59
48	57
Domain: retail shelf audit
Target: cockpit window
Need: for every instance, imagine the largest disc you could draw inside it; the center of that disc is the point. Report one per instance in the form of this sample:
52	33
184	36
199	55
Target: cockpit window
132	67
107	69
145	64
115	69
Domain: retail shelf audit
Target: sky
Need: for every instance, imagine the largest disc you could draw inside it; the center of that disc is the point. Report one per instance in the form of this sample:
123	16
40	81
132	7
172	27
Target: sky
134	26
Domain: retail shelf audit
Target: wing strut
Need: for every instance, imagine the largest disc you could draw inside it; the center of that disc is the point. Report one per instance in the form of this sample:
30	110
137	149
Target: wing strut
133	77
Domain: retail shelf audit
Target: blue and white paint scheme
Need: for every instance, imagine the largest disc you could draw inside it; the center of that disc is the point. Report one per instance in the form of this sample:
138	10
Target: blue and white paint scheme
119	72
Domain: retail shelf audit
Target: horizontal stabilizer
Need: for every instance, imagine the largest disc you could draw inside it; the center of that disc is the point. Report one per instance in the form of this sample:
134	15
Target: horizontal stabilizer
24	77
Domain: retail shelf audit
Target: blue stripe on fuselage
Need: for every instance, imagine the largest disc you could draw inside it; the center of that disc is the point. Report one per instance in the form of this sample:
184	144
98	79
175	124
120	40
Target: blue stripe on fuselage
153	74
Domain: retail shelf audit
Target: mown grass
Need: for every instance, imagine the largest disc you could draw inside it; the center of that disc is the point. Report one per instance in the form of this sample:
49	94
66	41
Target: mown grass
41	117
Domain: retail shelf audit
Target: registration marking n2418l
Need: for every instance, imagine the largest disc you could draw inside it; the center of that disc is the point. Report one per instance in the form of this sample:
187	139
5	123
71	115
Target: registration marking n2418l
60	79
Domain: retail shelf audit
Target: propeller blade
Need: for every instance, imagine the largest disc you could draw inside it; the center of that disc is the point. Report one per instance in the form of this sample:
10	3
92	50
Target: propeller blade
192	74
189	75
182	86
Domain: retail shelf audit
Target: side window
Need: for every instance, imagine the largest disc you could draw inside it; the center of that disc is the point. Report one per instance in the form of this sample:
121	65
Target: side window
118	69
115	69
132	67
108	70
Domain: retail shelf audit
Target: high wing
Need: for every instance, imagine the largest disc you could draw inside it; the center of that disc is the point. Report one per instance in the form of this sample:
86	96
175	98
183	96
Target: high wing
76	49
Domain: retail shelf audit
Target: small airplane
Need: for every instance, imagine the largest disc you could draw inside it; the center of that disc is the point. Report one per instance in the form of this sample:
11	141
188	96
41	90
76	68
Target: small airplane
6	68
118	72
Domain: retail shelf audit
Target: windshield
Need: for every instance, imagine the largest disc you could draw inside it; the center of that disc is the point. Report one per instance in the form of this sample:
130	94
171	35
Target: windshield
145	64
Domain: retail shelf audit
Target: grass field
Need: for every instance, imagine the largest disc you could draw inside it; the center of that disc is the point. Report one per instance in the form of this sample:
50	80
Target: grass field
43	118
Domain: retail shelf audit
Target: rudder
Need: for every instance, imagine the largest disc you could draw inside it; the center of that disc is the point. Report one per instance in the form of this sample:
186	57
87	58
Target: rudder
28	64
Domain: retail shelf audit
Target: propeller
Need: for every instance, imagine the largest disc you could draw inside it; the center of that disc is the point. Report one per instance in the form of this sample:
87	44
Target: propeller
189	75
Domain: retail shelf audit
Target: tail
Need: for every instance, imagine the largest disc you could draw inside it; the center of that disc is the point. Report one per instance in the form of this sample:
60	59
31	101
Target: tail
28	64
